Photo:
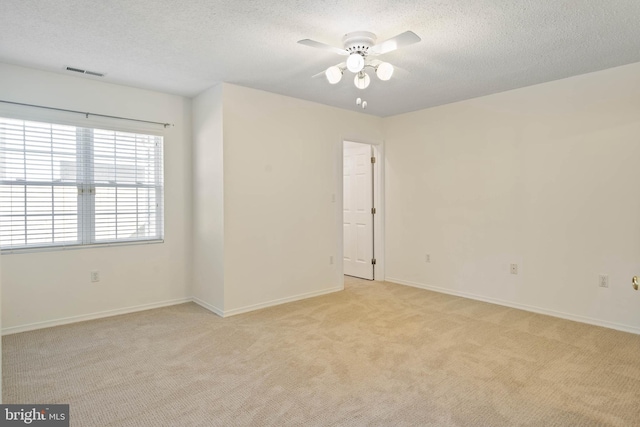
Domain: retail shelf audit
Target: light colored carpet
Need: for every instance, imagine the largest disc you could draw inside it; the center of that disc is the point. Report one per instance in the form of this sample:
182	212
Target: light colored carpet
375	354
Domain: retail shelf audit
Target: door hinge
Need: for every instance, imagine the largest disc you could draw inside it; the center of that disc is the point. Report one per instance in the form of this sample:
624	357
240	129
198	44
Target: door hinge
373	211
373	160
373	261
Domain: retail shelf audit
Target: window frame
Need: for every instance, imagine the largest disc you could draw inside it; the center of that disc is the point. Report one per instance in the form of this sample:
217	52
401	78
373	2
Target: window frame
85	214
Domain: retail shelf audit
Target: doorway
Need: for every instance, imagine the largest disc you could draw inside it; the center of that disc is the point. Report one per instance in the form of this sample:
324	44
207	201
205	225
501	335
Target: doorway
359	210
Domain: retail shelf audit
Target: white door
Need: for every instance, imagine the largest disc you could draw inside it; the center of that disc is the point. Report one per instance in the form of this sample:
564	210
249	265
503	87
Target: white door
358	214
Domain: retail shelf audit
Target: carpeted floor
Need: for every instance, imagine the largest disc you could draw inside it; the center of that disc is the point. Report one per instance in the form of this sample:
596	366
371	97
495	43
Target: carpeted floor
375	354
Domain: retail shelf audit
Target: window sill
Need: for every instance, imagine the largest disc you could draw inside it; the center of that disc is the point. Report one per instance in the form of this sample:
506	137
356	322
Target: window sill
34	249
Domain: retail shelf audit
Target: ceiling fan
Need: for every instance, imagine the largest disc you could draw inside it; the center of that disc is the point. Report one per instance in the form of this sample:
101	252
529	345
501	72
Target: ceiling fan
359	46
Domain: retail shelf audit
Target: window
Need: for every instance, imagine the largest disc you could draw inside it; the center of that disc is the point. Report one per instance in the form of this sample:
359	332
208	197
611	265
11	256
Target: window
70	186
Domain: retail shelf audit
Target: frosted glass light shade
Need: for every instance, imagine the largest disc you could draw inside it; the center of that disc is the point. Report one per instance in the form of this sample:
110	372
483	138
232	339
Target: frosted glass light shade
362	80
334	74
355	62
384	71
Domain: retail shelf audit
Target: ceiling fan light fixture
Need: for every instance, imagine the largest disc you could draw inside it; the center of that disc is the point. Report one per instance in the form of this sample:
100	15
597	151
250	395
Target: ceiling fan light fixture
355	62
333	74
362	80
384	71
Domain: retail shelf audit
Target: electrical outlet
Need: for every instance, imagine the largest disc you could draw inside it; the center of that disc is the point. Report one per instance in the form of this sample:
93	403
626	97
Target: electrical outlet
95	276
514	269
427	258
331	260
604	281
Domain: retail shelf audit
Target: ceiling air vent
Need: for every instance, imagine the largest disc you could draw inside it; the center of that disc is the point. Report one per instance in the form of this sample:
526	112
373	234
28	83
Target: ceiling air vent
79	70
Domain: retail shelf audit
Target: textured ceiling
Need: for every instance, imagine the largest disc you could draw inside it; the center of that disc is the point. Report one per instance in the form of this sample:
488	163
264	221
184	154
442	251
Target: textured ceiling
469	48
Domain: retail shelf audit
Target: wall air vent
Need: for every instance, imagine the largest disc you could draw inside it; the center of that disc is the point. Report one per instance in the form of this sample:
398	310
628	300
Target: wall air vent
81	71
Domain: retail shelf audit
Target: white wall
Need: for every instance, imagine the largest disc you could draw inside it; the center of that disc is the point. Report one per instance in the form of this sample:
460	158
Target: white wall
54	285
0	330
208	200
542	176
281	160
545	176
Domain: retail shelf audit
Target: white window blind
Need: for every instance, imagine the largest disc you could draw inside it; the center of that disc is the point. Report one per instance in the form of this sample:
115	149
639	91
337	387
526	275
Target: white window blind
65	185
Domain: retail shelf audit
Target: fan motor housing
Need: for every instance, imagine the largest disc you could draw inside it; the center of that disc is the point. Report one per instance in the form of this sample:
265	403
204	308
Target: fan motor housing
358	41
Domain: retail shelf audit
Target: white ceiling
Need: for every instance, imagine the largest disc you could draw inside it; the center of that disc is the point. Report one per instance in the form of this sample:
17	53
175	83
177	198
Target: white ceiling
469	48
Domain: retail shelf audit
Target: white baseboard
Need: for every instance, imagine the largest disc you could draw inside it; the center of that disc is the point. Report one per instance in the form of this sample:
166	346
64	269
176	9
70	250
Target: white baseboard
91	316
539	310
116	312
208	306
274	302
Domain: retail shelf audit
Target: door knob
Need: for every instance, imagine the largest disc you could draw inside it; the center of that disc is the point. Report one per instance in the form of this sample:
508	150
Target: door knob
634	282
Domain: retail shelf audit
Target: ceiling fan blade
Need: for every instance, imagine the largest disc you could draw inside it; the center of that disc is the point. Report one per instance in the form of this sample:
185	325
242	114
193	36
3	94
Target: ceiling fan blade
342	66
401	40
375	62
323	46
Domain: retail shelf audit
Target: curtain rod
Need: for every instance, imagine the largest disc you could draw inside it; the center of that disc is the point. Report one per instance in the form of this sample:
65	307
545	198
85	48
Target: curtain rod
87	114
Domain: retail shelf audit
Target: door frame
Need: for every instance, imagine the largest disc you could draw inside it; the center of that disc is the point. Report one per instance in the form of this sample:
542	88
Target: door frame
378	204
